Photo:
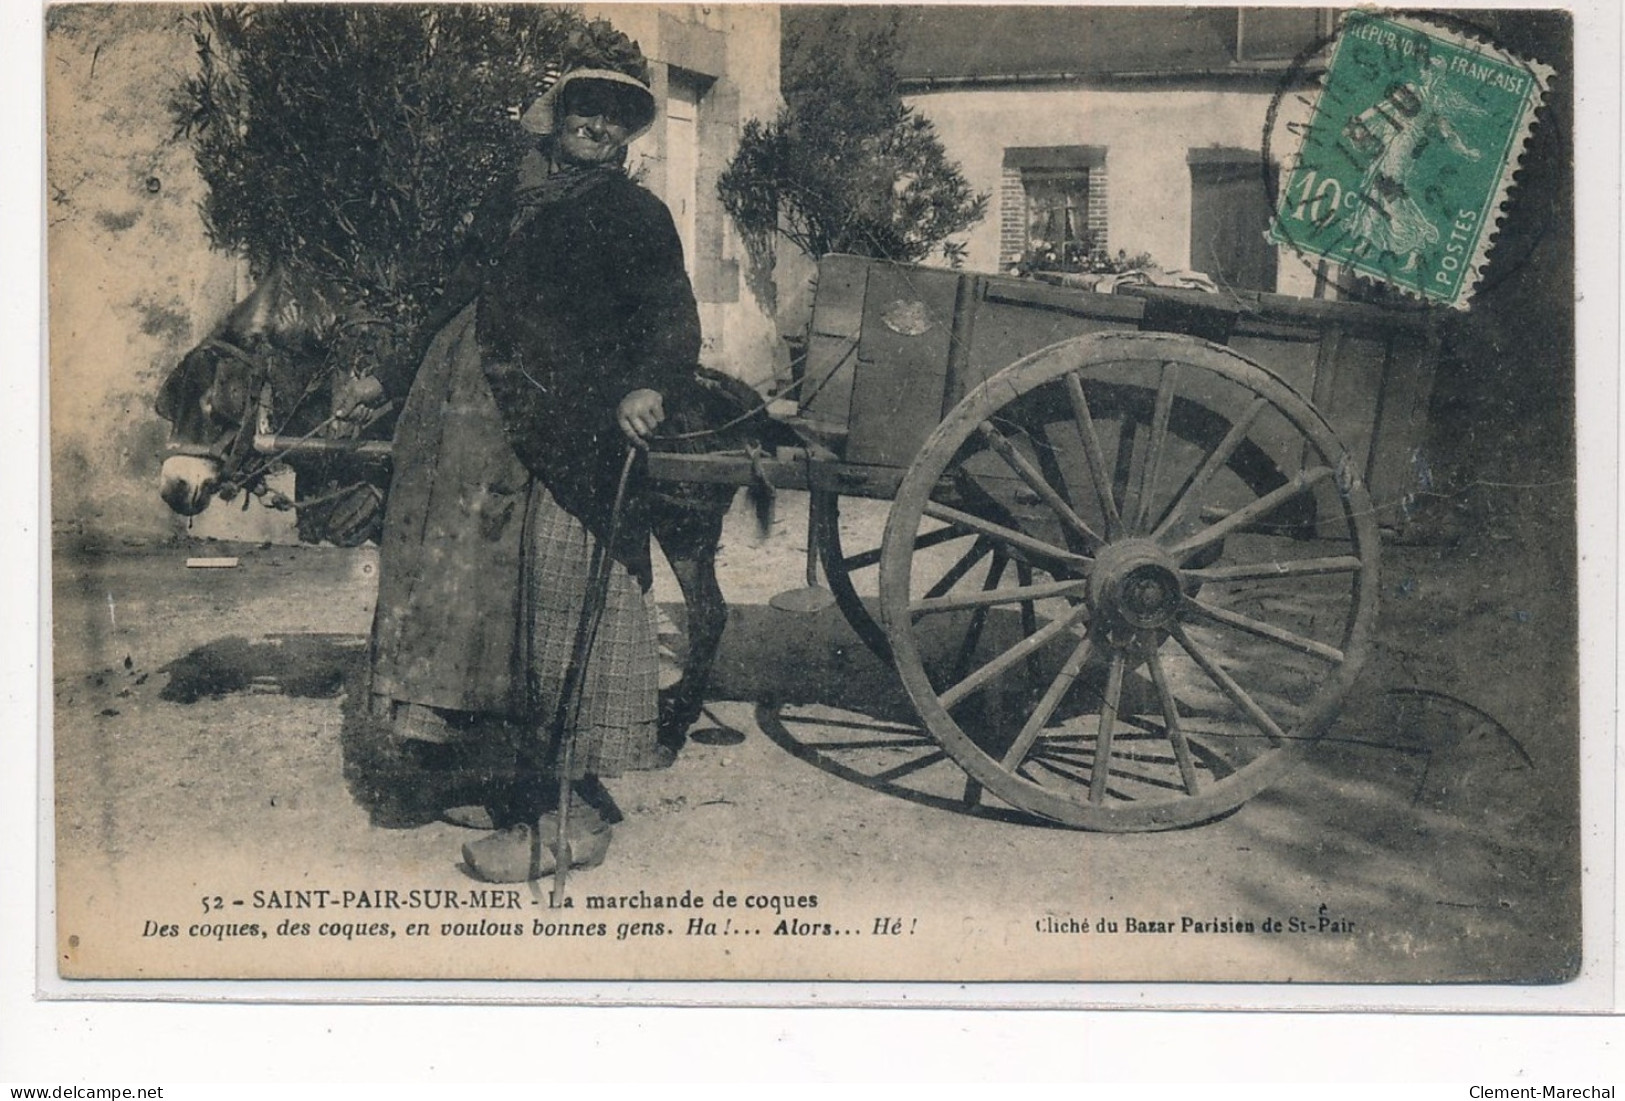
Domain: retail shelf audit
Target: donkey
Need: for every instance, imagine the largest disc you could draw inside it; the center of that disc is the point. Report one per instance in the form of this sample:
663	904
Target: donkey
270	368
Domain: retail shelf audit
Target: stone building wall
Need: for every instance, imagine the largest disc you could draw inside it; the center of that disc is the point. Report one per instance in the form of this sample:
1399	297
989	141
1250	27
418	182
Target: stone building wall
1146	134
133	282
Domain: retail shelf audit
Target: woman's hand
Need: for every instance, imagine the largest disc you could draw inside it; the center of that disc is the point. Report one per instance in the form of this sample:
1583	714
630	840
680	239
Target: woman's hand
640	413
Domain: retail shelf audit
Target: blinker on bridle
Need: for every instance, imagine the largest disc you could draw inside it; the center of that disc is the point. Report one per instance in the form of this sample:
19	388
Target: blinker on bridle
227	444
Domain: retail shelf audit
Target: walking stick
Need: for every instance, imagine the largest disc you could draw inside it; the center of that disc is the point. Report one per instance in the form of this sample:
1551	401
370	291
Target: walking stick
567	716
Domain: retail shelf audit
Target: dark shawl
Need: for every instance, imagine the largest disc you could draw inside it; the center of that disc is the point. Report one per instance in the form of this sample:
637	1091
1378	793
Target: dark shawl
586	301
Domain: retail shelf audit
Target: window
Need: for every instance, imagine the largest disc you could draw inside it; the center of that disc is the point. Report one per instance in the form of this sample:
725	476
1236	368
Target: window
1229	218
1058	231
1053	215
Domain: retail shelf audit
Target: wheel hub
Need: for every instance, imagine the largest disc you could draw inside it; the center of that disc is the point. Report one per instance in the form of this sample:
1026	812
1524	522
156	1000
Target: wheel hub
1135	583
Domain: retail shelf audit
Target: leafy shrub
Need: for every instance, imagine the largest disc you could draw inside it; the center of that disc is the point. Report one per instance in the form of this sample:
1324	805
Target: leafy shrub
354	142
846	166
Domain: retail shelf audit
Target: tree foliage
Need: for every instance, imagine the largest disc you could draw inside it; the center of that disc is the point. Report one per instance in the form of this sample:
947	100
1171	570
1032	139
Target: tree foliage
846	166
353	142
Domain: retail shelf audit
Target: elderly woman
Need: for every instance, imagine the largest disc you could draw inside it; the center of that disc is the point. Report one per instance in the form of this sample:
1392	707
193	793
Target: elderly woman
508	456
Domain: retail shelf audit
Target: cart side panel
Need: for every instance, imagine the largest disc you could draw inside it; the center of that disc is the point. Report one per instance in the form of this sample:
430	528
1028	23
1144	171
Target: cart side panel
1289	352
1292	352
1367	369
903	362
1368	372
1351	397
1352	379
894	346
832	343
1374	377
1015	318
1395	470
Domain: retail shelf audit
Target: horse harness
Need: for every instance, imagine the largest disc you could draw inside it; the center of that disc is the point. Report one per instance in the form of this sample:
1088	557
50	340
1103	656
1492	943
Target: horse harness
232	445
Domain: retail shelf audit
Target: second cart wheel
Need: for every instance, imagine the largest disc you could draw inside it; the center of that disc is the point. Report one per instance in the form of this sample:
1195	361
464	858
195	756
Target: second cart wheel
848	565
851	564
1155	581
849	551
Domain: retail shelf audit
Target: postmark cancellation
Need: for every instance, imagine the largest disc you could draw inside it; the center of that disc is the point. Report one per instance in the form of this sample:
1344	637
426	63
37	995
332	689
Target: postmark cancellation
1403	169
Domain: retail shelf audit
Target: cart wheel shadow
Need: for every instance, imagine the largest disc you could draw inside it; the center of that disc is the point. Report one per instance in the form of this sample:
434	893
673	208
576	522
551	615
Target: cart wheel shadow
822	697
903	762
825	699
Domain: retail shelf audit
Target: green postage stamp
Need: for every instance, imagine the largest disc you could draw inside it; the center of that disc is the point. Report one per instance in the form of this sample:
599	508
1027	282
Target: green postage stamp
1407	158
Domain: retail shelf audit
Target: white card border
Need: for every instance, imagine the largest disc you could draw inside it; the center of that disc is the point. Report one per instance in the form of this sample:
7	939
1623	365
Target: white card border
24	819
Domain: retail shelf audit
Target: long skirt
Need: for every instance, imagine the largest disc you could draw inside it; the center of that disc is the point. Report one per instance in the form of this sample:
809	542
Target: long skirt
478	611
616	726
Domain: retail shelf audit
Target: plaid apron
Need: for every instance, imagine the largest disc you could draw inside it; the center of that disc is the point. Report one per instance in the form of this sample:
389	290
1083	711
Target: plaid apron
619	713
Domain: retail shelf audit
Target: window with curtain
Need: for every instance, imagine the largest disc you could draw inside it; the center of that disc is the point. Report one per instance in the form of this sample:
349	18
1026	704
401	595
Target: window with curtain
1053	207
1059	236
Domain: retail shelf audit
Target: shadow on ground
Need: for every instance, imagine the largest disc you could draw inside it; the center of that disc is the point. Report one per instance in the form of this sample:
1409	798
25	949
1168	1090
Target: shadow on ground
397	787
314	665
1417	801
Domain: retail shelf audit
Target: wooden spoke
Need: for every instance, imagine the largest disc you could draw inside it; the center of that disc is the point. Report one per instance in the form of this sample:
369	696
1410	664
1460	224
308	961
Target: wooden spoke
1151	469
1092	453
1211	466
978	619
865	559
1024	594
1037	482
1269	571
1299	483
1046	706
1004	534
1100	776
1020	652
1269	631
1176	734
1227	684
1048	458
967	562
1128	432
1040	709
1029	615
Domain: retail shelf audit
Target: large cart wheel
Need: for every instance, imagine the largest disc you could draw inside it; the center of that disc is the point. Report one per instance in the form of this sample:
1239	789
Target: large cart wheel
850	564
1154	583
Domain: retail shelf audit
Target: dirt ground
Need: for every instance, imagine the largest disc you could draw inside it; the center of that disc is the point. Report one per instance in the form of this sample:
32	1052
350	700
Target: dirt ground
202	753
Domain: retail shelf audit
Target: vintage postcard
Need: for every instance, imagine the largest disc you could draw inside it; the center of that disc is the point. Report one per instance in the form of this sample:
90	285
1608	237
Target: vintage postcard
952	494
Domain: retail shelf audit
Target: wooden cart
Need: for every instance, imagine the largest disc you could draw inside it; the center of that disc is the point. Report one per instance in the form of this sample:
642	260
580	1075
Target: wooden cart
1130	564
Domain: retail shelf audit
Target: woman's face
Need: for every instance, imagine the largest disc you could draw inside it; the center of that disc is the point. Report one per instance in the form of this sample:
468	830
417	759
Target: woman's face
591	126
589	139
